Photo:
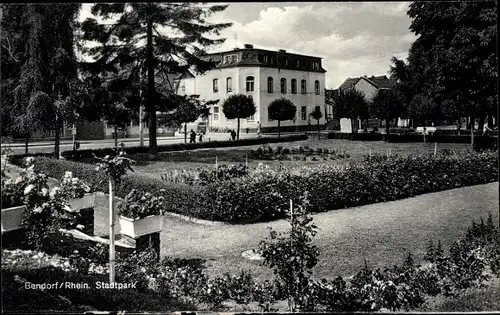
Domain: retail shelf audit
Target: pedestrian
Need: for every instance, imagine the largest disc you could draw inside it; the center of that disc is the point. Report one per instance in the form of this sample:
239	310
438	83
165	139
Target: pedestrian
486	129
233	134
258	129
192	137
200	137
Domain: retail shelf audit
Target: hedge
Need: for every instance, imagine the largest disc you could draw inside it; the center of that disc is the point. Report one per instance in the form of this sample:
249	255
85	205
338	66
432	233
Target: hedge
88	153
260	197
264	195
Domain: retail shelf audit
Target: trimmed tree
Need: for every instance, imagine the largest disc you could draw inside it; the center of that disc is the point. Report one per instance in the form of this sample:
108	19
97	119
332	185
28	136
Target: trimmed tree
238	106
317	114
167	37
386	104
190	108
351	104
281	109
423	109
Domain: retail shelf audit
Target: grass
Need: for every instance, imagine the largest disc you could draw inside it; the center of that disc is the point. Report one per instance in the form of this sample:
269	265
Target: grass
191	160
381	233
472	300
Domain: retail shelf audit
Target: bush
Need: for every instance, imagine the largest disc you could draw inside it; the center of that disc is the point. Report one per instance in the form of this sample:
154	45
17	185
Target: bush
89	153
263	195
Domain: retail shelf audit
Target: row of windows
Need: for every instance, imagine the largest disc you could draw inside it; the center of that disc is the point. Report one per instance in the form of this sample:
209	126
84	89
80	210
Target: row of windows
250	85
303	113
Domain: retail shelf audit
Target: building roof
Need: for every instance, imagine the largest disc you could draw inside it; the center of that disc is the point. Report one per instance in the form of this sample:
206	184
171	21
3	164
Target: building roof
380	82
331	93
250	56
281	51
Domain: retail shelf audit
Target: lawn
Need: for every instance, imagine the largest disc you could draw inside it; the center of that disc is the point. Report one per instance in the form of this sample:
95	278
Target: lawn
206	157
381	233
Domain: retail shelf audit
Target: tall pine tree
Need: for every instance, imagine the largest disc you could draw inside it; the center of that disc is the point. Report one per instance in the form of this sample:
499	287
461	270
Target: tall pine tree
167	37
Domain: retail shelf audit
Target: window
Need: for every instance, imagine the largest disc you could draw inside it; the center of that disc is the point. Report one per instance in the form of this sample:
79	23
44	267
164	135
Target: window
303	113
251	118
216	113
216	85
250	84
265	59
230	59
283	86
294	86
229	85
270	85
303	89
286	61
316	87
298	63
183	89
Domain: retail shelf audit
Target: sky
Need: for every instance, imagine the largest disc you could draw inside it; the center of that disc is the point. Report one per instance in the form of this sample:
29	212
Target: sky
353	38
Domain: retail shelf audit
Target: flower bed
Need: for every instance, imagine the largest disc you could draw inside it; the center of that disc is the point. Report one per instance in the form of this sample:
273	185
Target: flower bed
300	153
260	196
89	153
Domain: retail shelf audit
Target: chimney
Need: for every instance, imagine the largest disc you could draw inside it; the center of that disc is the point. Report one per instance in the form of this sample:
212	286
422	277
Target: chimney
365	76
247	46
282	51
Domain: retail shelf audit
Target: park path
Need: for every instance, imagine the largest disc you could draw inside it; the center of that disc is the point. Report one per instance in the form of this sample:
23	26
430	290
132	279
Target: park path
381	233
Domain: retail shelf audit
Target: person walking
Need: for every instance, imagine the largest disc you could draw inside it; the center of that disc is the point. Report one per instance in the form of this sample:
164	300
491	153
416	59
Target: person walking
192	138
486	129
259	132
233	135
200	137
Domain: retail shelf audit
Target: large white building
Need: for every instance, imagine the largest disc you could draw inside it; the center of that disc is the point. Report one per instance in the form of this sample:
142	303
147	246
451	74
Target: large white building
265	76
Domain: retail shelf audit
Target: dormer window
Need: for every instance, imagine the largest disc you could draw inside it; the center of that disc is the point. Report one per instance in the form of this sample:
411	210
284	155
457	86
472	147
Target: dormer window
229	59
266	60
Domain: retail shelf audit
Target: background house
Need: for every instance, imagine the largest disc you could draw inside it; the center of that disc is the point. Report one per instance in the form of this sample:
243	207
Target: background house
369	86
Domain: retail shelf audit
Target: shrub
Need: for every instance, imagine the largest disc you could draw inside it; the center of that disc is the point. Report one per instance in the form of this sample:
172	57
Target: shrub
291	256
223	172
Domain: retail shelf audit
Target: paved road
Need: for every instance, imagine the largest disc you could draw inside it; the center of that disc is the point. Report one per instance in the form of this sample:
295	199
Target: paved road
47	147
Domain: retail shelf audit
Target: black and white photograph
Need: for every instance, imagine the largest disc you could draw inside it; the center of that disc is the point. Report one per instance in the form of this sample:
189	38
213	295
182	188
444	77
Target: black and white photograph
249	157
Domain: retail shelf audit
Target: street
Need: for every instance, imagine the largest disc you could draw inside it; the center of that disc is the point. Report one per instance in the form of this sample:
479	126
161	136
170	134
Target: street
47	147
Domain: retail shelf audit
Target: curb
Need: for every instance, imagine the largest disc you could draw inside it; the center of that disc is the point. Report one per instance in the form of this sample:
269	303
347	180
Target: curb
195	220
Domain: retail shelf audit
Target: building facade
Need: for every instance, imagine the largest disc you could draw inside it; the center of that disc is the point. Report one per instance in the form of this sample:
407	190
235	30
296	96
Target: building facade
263	75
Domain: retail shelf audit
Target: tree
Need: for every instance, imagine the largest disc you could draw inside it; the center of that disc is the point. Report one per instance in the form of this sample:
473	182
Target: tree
386	104
455	65
238	106
351	104
317	114
423	109
189	110
281	109
138	38
42	66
